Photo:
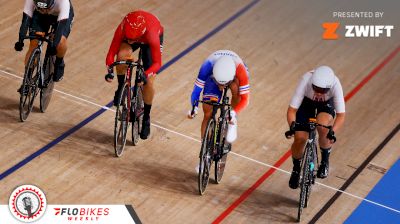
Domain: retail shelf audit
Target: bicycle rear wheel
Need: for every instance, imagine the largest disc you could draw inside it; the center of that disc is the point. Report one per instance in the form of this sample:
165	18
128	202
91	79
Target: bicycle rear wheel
121	121
138	116
47	90
29	87
221	159
206	157
305	182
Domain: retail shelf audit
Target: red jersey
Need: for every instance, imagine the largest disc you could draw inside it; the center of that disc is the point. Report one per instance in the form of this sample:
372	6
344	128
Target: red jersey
151	37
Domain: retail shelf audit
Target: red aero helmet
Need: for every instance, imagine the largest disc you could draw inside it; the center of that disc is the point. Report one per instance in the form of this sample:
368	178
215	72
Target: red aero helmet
134	25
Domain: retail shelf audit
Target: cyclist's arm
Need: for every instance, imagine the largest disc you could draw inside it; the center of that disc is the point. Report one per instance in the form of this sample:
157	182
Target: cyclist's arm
205	71
339	121
339	103
291	115
300	92
61	26
62	21
244	88
25	23
154	43
29	7
115	44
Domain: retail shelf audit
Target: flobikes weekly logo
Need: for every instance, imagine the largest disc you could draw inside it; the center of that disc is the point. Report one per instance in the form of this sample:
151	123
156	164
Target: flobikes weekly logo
331	29
82	213
27	203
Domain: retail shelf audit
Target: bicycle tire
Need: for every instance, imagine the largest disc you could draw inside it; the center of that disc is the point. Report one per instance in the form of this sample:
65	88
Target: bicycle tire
311	175
121	121
207	147
29	85
304	182
137	116
46	91
221	159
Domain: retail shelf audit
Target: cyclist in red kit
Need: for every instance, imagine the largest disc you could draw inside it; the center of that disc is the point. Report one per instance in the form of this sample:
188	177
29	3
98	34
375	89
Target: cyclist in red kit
138	29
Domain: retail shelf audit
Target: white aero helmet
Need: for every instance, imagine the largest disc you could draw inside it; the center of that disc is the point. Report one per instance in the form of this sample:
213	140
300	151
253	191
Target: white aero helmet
224	70
323	78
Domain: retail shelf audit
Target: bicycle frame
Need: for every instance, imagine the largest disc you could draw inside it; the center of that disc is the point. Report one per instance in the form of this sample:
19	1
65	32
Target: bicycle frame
223	107
212	143
128	77
310	159
41	38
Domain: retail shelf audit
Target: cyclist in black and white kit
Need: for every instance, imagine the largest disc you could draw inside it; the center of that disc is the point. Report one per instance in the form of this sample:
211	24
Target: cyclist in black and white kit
318	95
38	15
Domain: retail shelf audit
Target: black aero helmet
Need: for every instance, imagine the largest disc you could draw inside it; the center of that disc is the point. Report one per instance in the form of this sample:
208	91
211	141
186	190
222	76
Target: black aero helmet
43	4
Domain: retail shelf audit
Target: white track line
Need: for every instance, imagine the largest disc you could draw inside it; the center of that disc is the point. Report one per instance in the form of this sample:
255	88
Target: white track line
236	154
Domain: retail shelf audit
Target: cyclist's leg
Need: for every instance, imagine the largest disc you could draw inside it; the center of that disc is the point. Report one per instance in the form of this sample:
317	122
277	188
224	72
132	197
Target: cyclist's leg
38	24
304	112
148	92
148	89
207	111
211	92
62	49
326	115
35	26
32	45
124	53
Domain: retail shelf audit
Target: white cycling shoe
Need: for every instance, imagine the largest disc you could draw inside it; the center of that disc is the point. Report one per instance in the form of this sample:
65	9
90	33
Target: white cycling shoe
231	134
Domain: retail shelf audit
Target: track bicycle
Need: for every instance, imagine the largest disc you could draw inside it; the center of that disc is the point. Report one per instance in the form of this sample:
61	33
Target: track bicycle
130	107
309	162
214	147
38	76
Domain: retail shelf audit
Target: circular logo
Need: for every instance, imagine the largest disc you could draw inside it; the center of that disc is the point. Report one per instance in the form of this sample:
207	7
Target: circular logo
27	203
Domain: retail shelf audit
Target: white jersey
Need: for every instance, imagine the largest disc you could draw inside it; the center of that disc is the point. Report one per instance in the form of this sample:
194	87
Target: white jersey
304	89
60	8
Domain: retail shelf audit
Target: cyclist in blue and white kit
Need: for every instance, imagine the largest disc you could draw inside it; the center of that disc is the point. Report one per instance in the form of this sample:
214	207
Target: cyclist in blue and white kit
222	68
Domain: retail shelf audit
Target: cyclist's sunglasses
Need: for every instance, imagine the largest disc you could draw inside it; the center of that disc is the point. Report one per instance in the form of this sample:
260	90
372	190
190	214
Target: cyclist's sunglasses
226	84
320	90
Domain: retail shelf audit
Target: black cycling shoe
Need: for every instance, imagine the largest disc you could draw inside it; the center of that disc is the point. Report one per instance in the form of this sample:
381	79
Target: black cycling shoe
145	132
58	71
294	179
323	170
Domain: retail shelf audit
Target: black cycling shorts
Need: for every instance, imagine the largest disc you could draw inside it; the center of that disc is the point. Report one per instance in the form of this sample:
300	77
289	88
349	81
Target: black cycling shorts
310	109
146	52
42	22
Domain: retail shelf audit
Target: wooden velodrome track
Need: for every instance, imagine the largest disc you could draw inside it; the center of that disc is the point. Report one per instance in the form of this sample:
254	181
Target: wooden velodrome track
279	41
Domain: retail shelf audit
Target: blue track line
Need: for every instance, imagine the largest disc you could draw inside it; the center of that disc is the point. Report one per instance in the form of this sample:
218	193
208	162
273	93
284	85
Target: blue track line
102	110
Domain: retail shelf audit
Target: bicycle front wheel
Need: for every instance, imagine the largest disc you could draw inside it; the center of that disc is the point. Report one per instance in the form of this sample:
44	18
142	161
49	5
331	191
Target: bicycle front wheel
29	87
47	90
221	158
305	182
206	156
137	117
121	121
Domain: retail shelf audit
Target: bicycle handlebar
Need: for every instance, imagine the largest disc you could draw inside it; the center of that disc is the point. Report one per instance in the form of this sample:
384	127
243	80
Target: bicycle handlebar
125	62
142	78
330	135
38	37
212	103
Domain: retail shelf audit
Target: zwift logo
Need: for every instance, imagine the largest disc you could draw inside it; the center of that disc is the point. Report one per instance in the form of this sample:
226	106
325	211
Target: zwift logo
356	31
